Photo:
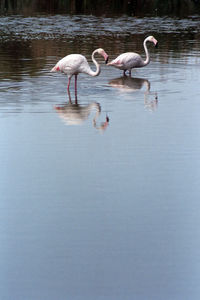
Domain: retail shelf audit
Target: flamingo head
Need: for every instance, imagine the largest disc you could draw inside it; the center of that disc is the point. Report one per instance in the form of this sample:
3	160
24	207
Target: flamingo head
104	54
153	40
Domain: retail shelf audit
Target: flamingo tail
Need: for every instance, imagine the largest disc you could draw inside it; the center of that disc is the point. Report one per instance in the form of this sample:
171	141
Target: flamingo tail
55	69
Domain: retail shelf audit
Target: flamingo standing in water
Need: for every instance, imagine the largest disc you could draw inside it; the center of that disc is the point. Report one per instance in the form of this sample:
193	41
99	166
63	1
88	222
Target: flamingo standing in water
127	61
74	64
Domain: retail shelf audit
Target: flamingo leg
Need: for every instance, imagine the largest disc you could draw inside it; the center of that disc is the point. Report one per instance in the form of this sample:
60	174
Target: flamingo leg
76	86
75	82
70	100
68	84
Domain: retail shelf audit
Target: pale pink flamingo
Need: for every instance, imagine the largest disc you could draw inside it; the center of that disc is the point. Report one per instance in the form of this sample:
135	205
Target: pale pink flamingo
129	60
73	64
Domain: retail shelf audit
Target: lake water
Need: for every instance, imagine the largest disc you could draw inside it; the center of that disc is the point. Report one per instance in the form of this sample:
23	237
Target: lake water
99	198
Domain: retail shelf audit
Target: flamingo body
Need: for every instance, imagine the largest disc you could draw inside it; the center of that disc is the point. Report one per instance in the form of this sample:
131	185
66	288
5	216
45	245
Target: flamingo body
72	64
129	60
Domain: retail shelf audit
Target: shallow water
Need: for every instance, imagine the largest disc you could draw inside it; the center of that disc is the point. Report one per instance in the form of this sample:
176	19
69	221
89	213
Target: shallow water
99	198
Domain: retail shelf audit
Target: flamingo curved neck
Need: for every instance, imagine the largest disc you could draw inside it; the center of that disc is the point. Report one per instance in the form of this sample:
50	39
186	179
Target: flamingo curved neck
147	60
98	68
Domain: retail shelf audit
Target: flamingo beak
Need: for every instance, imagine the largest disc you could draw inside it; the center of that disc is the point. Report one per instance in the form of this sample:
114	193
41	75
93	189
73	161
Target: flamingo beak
155	43
105	56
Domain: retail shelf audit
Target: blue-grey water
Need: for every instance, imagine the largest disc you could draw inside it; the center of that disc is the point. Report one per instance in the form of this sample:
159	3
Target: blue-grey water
99	199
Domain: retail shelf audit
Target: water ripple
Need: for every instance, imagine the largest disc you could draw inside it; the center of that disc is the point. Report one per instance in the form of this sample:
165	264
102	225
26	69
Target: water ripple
51	27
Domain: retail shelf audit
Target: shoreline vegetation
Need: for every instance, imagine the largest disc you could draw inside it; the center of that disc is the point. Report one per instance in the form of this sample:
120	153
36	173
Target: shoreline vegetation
102	7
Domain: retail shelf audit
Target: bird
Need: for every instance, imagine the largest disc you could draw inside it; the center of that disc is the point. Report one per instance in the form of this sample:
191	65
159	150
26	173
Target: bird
73	64
129	60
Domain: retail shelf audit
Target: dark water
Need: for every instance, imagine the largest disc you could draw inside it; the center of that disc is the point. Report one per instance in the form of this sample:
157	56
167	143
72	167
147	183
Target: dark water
99	198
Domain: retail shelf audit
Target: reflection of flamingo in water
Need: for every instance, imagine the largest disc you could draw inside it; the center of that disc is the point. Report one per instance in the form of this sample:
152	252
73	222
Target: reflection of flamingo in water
76	114
135	84
129	60
102	126
129	83
74	64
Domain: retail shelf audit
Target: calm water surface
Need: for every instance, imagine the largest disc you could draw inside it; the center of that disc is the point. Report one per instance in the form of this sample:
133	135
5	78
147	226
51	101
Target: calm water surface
99	198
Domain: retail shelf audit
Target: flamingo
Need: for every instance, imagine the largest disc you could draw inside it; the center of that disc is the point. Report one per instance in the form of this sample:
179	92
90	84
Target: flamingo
127	61
73	64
